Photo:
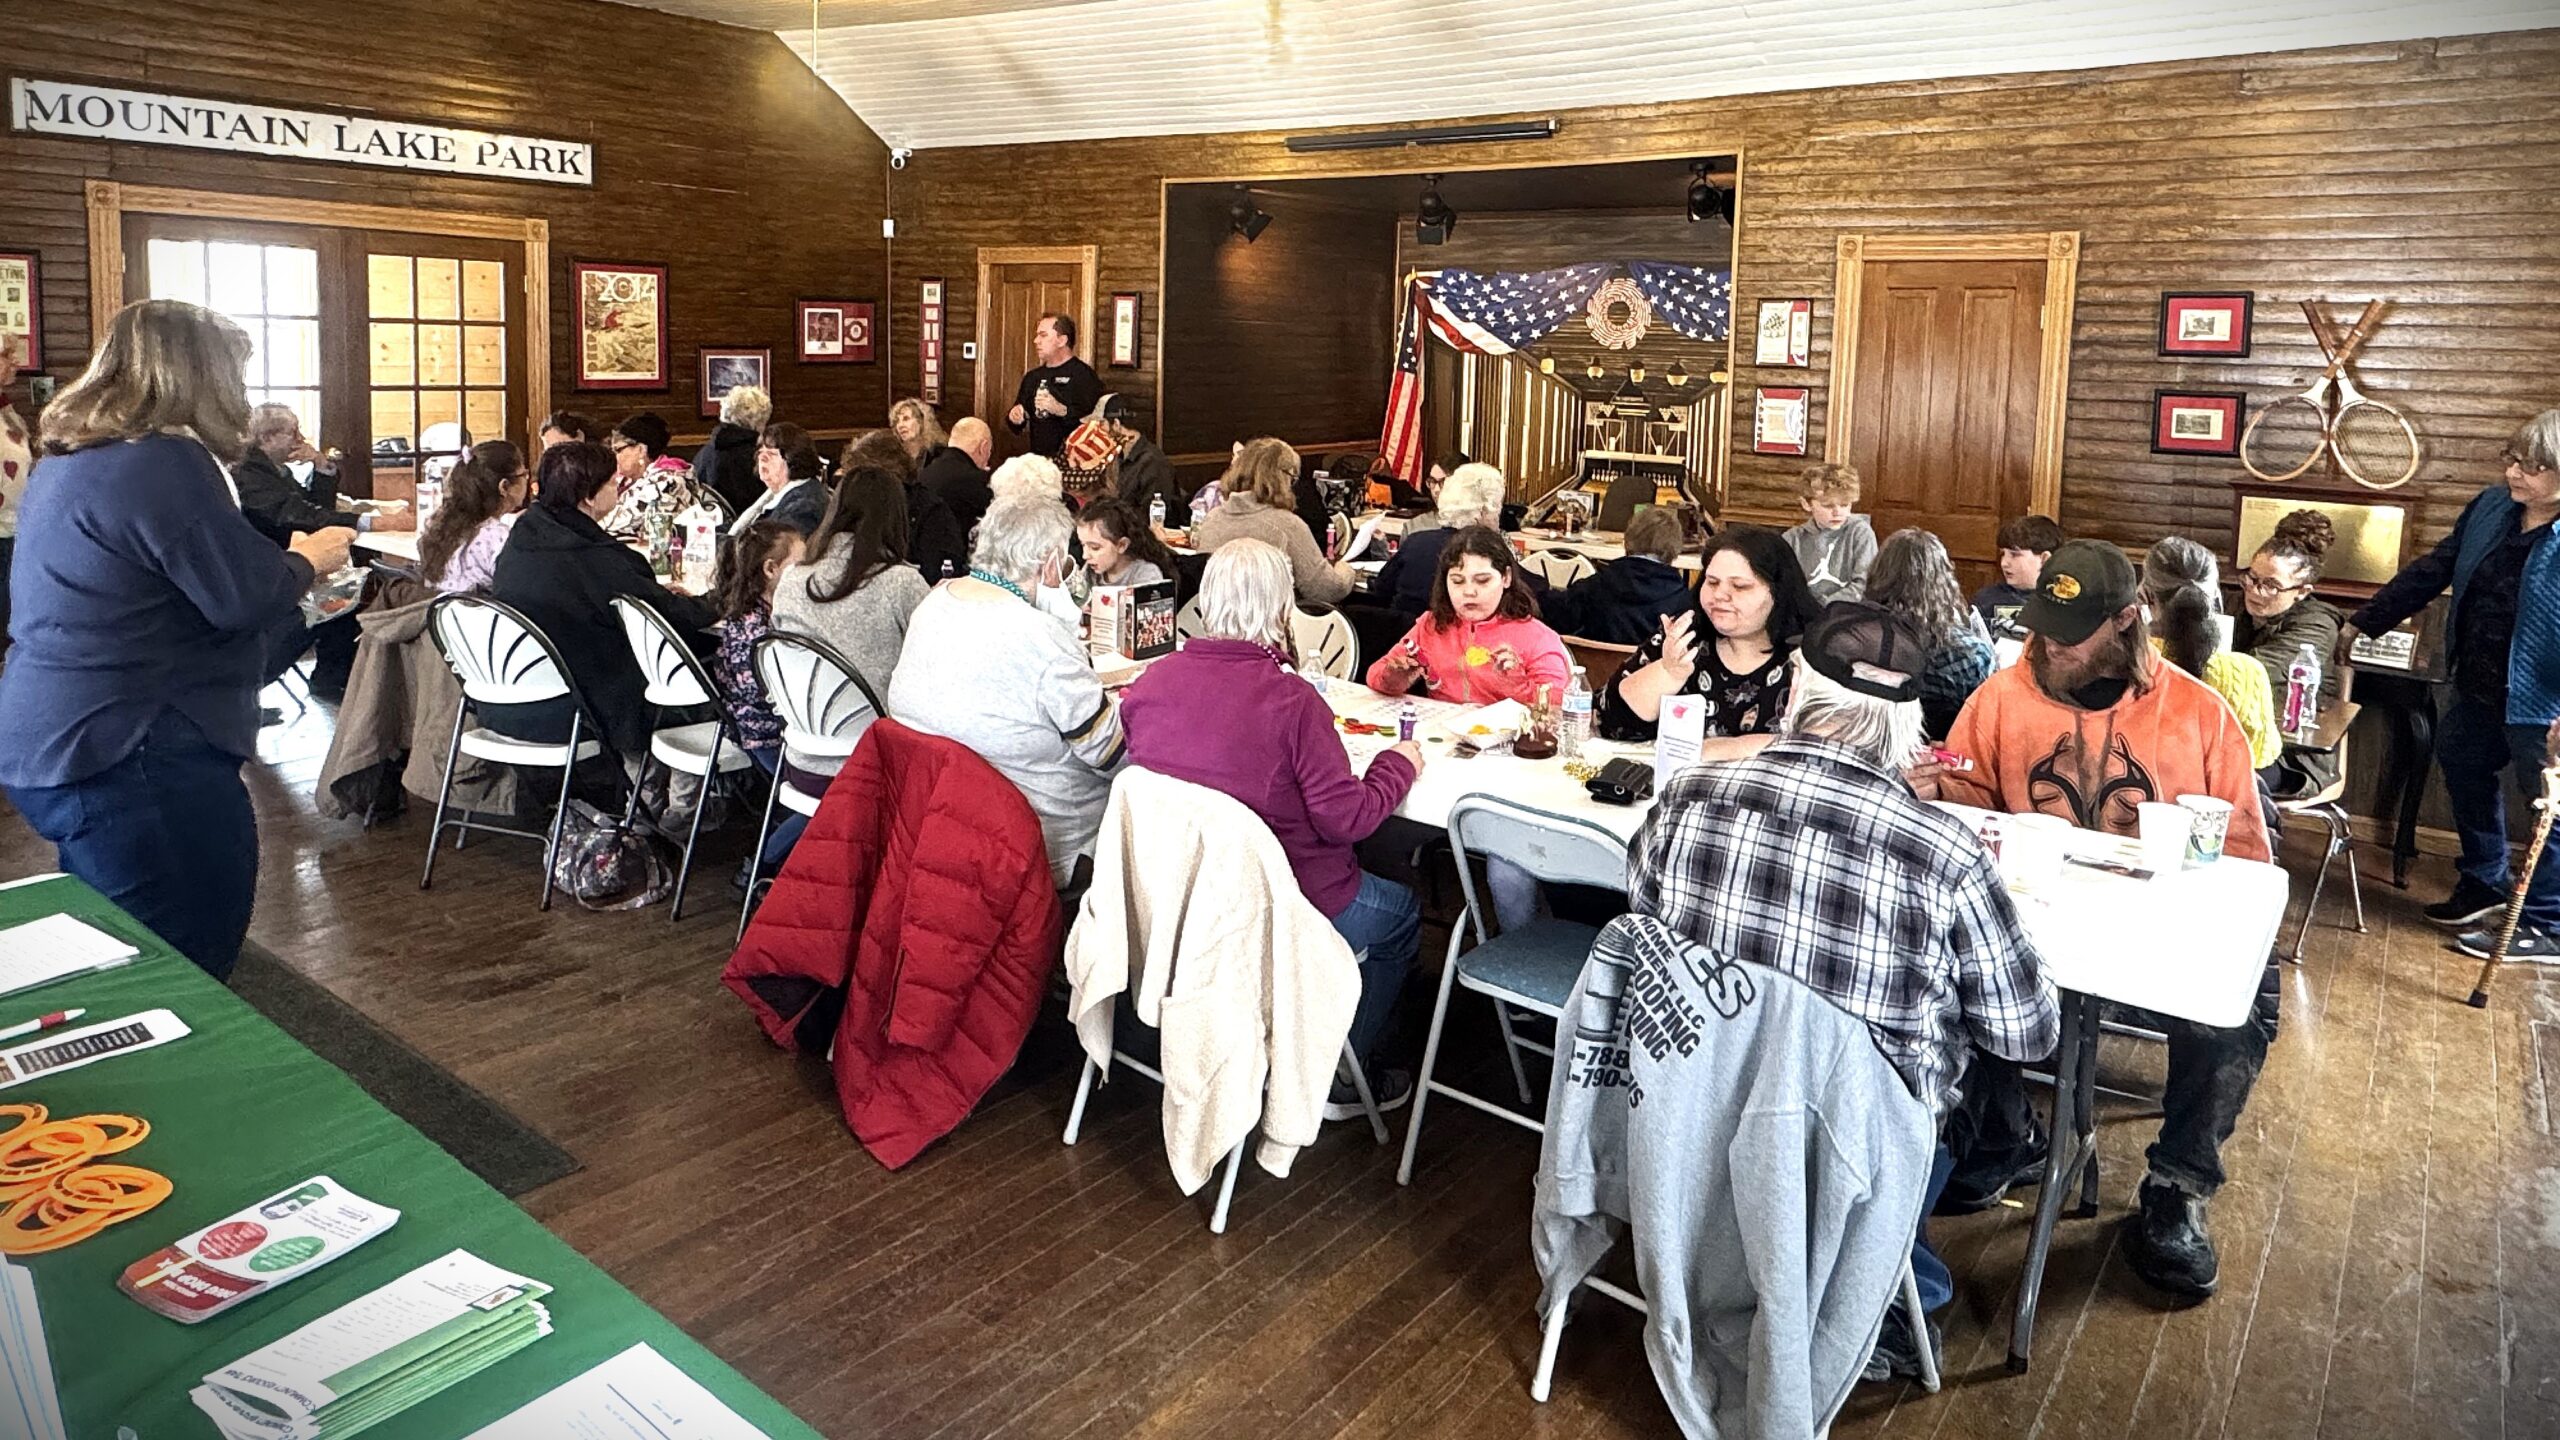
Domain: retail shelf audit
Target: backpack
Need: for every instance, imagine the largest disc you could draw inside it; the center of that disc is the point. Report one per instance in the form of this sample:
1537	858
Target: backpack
607	863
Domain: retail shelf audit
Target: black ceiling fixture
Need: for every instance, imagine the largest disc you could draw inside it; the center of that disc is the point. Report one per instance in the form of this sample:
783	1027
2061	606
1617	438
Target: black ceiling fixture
1433	219
1246	218
1706	197
1541	129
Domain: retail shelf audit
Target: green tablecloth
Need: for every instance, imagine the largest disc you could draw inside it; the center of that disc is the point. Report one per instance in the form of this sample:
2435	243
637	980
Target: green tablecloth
239	1111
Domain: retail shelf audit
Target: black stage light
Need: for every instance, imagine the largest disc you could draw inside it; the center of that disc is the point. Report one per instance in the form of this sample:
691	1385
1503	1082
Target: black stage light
1246	218
1433	219
1707	198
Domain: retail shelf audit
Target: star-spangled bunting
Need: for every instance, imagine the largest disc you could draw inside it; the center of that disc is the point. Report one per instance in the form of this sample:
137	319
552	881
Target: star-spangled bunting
1514	308
1693	299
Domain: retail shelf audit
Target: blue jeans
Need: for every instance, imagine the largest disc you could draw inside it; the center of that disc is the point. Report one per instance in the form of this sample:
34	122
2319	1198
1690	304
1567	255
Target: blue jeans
2476	749
1937	1285
1386	920
788	825
166	833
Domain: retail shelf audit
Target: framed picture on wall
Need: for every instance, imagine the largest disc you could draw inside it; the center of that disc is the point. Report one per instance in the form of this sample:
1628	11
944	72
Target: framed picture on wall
2197	422
2205	324
622	326
21	307
1779	420
725	369
1786	334
929	319
835	332
1124	330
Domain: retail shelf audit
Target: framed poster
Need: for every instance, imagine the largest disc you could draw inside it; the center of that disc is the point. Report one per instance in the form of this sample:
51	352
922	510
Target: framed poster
835	332
2197	422
929	341
21	307
1786	334
2205	324
622	326
1124	330
1778	422
725	368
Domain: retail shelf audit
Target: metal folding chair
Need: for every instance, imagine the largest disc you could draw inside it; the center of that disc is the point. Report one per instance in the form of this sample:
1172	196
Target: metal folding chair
502	658
672	678
1327	645
825	705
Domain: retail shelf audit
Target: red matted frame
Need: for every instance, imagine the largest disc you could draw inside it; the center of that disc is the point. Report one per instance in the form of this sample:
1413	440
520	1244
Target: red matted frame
578	272
2177	430
759	356
34	358
855	332
1794	400
2222	316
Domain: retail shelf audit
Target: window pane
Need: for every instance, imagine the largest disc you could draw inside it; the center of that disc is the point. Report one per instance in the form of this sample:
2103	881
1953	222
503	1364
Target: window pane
439	289
235	279
484	290
439	354
484	355
177	270
438	407
484	414
293	353
305	405
395	419
395	353
293	280
257	373
387	287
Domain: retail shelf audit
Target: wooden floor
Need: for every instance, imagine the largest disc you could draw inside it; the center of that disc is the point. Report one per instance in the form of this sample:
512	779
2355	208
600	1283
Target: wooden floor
2390	1241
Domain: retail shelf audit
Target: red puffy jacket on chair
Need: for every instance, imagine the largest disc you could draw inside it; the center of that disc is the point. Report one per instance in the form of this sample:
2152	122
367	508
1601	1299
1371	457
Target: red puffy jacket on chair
914	928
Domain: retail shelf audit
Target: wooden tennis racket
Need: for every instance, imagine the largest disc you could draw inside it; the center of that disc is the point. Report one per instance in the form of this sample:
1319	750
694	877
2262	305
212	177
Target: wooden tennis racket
2389	447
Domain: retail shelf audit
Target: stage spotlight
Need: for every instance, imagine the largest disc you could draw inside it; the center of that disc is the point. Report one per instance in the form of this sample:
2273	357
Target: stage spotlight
1246	218
1433	219
1707	198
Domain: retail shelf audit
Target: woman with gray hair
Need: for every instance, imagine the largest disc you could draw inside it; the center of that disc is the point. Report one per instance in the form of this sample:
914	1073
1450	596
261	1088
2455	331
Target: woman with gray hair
2504	571
1287	766
2182	585
727	461
986	665
1473	495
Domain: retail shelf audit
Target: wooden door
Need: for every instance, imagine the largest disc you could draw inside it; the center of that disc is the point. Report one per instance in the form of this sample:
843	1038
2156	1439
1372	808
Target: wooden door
1948	361
1018	294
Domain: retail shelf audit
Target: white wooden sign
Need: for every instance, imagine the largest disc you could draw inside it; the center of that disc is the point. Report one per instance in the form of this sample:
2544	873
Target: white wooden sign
98	112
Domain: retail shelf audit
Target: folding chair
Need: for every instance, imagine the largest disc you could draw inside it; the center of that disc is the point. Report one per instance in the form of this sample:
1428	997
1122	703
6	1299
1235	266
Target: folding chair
672	677
2329	808
1327	645
1186	621
1532	968
502	658
1559	566
825	704
1600	660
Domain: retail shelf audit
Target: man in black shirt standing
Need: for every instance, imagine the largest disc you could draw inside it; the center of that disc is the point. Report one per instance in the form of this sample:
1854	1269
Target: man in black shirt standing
1057	393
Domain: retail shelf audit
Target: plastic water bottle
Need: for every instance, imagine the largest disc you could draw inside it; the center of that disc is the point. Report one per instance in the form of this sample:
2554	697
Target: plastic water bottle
947	571
430	495
1575	732
1155	513
701	545
2302	690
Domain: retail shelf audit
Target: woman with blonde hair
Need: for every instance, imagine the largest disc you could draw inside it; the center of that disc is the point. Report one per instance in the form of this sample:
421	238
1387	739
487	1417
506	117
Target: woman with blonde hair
918	429
1261	489
149	614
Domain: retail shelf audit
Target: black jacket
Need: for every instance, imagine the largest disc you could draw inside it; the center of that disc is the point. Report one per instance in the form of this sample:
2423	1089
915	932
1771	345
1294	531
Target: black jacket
1623	604
801	506
1075	386
562	571
727	463
951	474
934	534
276	505
1145	473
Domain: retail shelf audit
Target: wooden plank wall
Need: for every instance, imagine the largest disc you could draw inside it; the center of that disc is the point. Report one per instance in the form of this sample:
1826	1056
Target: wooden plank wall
717	155
2420	171
1250	353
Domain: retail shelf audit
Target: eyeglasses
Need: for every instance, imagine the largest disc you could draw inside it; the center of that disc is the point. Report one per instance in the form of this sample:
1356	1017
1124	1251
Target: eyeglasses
2258	584
2512	458
618	445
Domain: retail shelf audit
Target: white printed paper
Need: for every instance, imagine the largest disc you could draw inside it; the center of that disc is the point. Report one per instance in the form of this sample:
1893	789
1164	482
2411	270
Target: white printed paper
637	1395
56	947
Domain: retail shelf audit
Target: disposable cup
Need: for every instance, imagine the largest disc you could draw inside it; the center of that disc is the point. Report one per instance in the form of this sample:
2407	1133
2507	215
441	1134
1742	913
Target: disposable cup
2211	825
2035	847
2163	829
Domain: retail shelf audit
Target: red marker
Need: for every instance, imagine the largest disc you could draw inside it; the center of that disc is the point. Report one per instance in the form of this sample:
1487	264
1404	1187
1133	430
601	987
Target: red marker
42	1023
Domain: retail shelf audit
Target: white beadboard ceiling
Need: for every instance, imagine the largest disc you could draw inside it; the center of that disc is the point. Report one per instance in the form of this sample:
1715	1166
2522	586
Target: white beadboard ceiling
928	73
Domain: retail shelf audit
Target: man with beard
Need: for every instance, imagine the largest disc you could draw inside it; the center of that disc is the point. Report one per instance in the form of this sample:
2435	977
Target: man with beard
2088	726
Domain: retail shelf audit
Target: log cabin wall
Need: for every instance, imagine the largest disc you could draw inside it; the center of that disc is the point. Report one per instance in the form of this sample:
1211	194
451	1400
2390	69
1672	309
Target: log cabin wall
718	156
1290	335
2418	171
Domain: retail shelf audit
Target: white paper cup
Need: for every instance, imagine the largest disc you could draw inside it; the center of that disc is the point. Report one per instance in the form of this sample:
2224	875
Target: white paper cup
2162	830
2210	824
2035	847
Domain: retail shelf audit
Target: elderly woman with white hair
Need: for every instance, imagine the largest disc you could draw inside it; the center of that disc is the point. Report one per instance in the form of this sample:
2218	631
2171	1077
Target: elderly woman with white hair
985	665
727	461
1288	766
1034	475
1472	495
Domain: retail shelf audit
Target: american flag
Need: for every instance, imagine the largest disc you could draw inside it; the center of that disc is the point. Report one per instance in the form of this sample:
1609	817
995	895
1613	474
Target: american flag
1515	309
1692	299
1400	443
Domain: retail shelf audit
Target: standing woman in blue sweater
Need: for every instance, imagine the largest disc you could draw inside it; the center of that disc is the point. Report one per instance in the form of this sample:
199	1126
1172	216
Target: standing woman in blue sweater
144	609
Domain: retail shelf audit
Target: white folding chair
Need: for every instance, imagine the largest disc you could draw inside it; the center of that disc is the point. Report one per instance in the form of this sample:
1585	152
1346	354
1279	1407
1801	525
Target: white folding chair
2329	808
1559	566
1532	968
1186	621
672	678
825	704
1327	645
501	658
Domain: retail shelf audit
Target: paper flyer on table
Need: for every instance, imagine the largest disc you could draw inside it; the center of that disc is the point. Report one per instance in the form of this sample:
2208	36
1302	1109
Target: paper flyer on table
246	1254
637	1395
56	947
1361	537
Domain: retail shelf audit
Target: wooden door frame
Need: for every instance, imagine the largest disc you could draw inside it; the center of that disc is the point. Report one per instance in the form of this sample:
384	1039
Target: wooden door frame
1086	260
2060	252
110	201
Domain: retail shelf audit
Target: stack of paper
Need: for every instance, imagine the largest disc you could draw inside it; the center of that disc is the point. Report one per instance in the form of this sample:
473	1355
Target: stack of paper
56	947
379	1354
28	1405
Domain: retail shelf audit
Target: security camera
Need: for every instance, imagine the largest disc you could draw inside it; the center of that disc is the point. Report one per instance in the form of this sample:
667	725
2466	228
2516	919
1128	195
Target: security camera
899	156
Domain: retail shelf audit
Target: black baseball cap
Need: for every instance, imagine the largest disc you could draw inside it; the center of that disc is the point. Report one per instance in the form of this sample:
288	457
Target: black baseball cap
1868	648
1116	407
2085	583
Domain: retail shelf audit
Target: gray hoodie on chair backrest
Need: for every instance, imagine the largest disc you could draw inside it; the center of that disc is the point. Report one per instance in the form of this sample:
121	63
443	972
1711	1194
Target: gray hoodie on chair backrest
1770	1163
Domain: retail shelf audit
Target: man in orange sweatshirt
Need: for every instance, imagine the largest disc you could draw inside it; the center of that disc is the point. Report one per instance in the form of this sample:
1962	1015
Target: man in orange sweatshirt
2088	725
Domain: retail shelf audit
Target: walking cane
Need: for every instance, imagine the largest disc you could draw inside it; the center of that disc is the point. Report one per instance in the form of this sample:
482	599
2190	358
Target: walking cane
2549	803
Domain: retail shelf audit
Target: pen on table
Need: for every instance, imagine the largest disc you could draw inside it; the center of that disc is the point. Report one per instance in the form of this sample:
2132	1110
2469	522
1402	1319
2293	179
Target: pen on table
42	1023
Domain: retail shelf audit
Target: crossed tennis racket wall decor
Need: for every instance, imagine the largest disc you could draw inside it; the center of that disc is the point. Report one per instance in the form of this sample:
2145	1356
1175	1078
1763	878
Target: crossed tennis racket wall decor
2367	440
